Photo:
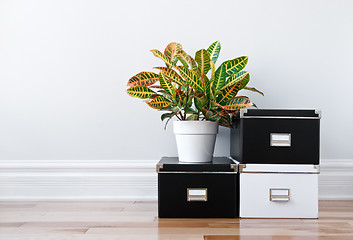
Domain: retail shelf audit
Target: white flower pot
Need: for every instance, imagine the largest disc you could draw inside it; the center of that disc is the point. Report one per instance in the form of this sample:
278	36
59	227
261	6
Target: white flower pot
195	140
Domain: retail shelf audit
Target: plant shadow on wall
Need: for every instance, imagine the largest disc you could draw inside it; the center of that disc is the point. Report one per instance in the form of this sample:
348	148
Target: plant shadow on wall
196	90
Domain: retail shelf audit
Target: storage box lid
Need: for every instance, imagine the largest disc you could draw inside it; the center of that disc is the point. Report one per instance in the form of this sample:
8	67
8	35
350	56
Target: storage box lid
218	164
280	113
279	168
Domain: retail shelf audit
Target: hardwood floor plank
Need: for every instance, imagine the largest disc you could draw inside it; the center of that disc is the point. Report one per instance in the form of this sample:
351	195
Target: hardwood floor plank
138	220
280	237
11	224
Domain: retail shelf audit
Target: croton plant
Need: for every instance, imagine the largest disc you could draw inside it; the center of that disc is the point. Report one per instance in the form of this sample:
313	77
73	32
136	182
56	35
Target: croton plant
193	88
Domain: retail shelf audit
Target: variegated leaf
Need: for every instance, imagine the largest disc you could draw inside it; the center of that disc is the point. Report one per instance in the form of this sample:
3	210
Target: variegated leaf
224	112
171	51
172	75
143	79
166	84
164	94
140	92
214	50
243	77
209	90
191	78
214	117
156	86
253	90
228	93
159	102
225	121
220	77
185	64
213	70
202	58
216	105
235	65
160	55
207	113
179	96
238	103
188	59
206	84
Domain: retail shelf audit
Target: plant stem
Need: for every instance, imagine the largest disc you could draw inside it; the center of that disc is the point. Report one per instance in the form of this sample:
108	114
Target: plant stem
186	102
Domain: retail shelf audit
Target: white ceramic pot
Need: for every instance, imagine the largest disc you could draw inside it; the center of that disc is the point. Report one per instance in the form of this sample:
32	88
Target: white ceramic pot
195	140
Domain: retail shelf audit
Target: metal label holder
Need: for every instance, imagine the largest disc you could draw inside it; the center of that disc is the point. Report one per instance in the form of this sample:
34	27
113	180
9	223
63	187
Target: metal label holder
196	194
279	194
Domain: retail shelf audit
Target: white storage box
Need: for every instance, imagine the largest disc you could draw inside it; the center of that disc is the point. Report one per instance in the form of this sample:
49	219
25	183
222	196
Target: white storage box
278	191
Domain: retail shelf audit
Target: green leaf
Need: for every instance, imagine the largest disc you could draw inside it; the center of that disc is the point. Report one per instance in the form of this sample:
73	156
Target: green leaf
214	50
172	108
200	103
159	102
211	115
189	110
167	115
143	79
171	51
189	103
166	84
243	77
235	65
172	75
191	78
193	117
160	55
140	92
188	59
202	58
238	103
253	90
220	77
228	93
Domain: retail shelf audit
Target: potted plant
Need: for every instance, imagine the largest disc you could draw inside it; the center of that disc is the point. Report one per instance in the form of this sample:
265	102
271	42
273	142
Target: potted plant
195	92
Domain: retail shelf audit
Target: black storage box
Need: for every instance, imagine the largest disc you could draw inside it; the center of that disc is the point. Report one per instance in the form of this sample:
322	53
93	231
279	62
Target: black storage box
198	190
265	136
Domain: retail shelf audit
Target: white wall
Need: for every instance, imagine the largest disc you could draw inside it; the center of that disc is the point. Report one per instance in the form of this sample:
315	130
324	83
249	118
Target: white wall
64	67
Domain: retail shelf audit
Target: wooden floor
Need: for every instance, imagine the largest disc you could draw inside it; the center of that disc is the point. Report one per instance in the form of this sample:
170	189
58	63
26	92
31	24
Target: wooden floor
137	220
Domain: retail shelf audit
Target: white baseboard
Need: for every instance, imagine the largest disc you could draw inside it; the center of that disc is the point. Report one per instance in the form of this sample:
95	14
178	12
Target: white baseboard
78	180
130	180
336	179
